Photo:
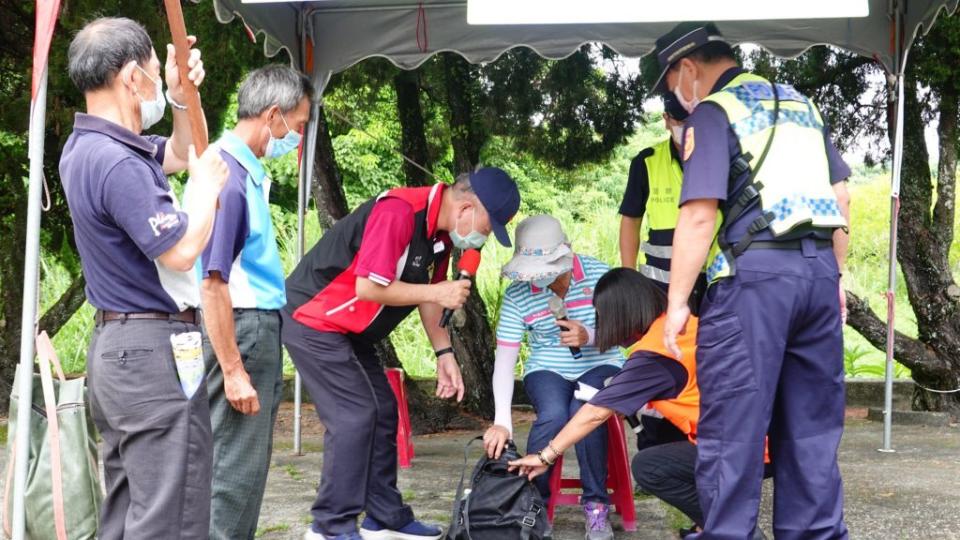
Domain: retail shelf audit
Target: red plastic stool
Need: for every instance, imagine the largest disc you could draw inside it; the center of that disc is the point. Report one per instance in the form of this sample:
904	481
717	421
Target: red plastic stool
404	433
618	479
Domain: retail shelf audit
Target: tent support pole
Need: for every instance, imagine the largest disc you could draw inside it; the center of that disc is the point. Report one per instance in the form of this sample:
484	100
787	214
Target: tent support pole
892	275
303	194
897	166
28	316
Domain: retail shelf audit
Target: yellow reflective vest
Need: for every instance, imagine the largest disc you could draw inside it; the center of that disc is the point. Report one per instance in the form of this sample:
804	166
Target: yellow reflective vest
794	178
665	179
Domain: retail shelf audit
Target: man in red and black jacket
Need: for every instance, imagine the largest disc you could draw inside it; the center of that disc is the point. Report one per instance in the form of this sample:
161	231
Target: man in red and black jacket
366	274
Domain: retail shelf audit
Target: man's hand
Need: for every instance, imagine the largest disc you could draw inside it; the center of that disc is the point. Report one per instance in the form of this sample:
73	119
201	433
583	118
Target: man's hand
495	439
675	325
209	170
574	334
172	74
449	380
240	392
451	294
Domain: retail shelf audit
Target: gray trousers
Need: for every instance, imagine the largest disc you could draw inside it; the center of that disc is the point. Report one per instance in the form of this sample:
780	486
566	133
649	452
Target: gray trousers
242	445
359	411
156	442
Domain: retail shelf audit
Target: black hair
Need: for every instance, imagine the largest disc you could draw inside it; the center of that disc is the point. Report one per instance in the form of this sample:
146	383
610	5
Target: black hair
100	50
713	52
627	303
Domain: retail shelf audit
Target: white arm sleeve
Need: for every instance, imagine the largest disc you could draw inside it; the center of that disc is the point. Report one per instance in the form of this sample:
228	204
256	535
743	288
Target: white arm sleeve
591	335
506	360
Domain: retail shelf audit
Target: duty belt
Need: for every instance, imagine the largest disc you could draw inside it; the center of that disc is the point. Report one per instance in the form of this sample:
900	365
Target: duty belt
190	316
788	244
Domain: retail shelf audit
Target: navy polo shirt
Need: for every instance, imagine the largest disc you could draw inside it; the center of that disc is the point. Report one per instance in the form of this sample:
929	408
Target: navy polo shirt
707	167
125	215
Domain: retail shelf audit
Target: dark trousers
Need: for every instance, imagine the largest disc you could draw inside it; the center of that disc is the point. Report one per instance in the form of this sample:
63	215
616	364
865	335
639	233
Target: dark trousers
354	401
553	401
666	471
242	445
770	355
156	442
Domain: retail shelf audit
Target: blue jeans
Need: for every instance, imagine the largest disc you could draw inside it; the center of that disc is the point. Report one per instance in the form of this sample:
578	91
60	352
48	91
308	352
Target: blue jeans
553	401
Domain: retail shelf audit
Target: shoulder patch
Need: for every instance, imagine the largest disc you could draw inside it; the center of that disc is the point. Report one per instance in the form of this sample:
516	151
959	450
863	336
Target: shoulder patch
688	143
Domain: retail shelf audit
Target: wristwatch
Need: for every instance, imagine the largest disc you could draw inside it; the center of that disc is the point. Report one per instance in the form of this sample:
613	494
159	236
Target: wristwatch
441	352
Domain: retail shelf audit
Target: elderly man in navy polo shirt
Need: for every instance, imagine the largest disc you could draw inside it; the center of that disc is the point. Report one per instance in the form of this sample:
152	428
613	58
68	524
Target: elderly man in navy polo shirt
242	293
137	249
351	290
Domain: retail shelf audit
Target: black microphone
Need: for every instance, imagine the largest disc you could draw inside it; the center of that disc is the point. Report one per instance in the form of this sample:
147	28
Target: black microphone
560	312
469	262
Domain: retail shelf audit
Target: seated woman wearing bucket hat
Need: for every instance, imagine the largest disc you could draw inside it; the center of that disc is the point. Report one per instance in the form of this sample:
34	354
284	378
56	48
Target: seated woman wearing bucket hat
630	313
543	267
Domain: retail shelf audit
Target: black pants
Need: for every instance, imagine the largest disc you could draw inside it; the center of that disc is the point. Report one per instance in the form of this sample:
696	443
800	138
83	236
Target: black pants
666	471
350	391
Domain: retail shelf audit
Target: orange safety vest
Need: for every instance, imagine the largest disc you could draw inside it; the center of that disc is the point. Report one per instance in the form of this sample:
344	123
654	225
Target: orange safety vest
682	411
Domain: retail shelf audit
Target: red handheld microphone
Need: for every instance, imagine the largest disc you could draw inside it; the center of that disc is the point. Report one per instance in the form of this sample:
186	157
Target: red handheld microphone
469	262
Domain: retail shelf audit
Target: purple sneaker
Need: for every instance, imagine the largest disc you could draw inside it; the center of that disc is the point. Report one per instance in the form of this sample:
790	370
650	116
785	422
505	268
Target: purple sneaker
370	529
598	528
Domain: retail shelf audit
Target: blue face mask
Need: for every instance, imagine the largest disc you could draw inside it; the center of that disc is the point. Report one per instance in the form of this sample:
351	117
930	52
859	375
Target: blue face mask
280	147
543	283
473	239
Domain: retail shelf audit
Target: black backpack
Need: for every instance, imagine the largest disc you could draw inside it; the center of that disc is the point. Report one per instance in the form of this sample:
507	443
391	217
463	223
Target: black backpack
499	505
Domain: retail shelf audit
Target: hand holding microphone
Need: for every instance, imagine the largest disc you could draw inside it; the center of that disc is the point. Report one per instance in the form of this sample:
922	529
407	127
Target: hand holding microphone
559	311
469	262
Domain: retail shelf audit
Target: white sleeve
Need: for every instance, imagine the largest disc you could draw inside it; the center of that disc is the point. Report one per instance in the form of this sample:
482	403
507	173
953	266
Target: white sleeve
591	335
505	362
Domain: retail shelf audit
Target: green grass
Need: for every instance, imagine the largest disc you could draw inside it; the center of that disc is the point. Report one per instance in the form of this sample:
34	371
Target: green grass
585	201
263	531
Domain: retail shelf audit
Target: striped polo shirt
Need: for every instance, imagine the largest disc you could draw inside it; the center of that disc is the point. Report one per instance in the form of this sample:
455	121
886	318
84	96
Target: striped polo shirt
525	312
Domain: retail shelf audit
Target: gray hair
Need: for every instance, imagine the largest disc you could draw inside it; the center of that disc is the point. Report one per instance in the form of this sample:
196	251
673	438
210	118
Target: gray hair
100	50
272	85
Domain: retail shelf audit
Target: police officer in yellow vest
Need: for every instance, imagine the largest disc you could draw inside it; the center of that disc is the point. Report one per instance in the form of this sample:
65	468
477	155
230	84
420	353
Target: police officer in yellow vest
770	342
653	192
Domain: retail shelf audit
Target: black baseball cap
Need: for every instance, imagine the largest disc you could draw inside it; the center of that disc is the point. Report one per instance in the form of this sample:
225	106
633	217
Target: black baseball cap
673	108
499	196
672	47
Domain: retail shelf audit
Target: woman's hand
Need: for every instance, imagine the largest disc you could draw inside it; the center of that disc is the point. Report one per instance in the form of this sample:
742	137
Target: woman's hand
494	440
529	466
574	333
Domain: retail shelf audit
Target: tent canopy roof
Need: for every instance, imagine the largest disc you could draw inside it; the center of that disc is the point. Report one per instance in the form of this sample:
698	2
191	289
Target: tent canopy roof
344	32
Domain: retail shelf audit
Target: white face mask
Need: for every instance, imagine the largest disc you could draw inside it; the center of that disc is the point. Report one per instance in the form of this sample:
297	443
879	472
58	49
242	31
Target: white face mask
676	133
151	111
688	106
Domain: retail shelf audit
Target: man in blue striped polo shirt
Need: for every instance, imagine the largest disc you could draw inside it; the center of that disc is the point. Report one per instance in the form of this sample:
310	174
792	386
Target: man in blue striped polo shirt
243	289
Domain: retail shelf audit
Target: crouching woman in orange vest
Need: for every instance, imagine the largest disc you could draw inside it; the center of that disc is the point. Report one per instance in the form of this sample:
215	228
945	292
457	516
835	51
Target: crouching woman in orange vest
630	313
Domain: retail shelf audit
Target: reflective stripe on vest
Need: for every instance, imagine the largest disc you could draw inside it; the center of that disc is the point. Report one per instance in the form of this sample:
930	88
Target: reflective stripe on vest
795	177
661	252
682	411
654	273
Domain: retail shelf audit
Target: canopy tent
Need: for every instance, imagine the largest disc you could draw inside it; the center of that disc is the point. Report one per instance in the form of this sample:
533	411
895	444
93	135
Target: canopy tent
328	36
